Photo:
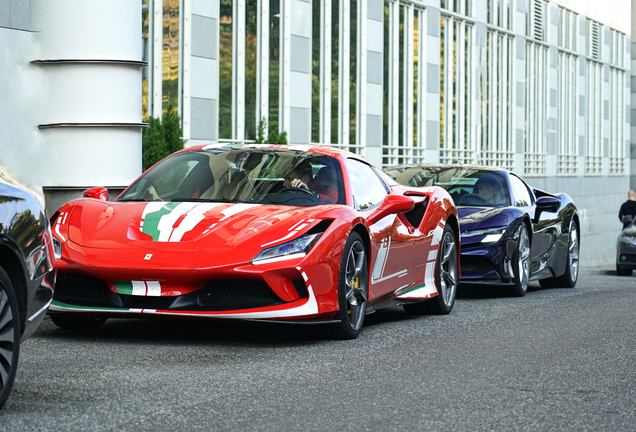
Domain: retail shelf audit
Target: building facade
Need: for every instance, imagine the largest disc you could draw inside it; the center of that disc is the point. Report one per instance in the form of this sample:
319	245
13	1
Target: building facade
539	87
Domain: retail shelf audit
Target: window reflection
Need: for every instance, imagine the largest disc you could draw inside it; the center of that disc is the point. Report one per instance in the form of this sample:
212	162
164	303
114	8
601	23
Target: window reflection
225	69
170	57
145	18
274	64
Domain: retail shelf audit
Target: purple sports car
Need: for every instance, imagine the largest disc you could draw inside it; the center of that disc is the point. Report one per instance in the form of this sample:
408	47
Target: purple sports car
511	233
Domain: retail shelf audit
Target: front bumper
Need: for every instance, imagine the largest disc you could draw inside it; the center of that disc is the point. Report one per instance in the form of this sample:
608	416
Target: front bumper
625	255
489	264
300	288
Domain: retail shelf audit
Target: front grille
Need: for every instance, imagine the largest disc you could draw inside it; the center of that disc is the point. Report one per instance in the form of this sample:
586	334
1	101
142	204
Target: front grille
627	258
79	288
233	294
475	265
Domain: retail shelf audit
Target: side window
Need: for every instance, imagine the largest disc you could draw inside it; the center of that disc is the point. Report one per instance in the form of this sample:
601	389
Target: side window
520	192
367	188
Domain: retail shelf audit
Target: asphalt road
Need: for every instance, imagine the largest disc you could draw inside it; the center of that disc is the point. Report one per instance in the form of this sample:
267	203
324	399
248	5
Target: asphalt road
556	359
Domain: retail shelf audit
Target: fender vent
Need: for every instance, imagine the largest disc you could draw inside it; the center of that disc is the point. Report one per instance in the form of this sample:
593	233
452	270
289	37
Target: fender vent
415	216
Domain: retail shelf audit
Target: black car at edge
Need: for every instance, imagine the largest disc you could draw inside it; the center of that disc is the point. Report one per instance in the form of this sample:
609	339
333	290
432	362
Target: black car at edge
27	272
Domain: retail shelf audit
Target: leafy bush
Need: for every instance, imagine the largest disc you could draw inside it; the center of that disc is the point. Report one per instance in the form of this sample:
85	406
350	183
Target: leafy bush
161	138
273	137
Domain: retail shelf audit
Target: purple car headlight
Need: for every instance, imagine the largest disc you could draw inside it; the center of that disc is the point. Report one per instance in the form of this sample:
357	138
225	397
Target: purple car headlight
490	235
296	248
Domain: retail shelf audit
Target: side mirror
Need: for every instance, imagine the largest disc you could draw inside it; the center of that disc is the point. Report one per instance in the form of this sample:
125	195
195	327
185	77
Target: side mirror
392	204
100	193
548	203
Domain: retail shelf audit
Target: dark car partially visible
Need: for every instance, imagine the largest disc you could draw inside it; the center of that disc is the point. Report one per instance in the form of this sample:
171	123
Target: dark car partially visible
626	248
27	272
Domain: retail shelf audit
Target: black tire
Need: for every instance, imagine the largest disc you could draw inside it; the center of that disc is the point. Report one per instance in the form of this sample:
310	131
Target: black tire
9	336
622	271
521	263
570	276
353	289
446	279
77	321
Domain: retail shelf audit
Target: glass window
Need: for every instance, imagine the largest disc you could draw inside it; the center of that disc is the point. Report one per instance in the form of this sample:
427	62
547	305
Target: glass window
242	174
367	188
520	192
467	186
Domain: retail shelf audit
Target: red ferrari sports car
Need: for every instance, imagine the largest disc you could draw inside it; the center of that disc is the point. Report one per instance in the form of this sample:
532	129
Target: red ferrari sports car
302	234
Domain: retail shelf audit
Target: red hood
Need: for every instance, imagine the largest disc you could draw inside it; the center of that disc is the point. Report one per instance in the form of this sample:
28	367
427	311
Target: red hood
181	227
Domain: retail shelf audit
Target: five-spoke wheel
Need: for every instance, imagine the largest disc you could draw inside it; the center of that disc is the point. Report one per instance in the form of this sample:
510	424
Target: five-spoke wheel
353	289
571	273
9	336
446	278
521	263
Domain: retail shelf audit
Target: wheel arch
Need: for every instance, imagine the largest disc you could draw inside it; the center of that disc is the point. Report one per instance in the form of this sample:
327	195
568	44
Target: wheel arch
577	222
454	224
360	229
12	265
526	220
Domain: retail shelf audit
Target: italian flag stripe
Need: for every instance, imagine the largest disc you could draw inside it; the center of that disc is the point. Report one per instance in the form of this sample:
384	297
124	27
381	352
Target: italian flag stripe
124	287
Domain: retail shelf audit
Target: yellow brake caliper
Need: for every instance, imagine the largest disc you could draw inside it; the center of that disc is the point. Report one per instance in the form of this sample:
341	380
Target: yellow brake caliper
356	284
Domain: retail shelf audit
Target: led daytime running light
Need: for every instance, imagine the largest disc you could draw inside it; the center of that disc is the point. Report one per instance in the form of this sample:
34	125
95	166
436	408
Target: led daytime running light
296	248
492	235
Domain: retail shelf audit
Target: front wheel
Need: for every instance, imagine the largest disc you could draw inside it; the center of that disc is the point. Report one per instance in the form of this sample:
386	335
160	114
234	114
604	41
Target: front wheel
77	321
521	263
10	340
353	289
446	279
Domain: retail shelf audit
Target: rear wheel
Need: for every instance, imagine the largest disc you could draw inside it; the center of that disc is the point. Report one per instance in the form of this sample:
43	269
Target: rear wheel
571	275
353	288
521	263
77	322
446	279
9	336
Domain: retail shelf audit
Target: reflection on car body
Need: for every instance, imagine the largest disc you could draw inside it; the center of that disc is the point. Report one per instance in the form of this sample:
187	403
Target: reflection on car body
27	272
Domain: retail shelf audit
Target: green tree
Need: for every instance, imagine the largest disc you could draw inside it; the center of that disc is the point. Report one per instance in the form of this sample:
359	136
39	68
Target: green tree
161	138
273	137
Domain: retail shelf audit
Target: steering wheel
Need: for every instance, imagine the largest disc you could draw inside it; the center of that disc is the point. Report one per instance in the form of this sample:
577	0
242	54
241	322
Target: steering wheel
472	198
297	189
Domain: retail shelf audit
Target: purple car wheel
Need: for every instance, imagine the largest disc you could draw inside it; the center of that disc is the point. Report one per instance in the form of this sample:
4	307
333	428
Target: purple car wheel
571	274
521	263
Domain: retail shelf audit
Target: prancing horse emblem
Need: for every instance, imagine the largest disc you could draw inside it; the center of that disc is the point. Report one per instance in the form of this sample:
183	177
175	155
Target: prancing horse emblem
147	257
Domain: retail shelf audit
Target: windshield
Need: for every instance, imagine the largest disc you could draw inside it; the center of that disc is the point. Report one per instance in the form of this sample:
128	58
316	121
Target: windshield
242	175
469	187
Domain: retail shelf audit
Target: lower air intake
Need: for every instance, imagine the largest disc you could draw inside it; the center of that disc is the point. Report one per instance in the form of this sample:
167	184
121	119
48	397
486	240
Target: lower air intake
234	294
80	289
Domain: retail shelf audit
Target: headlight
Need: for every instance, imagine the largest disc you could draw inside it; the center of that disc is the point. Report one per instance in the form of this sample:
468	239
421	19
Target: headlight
57	248
297	248
627	240
491	235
